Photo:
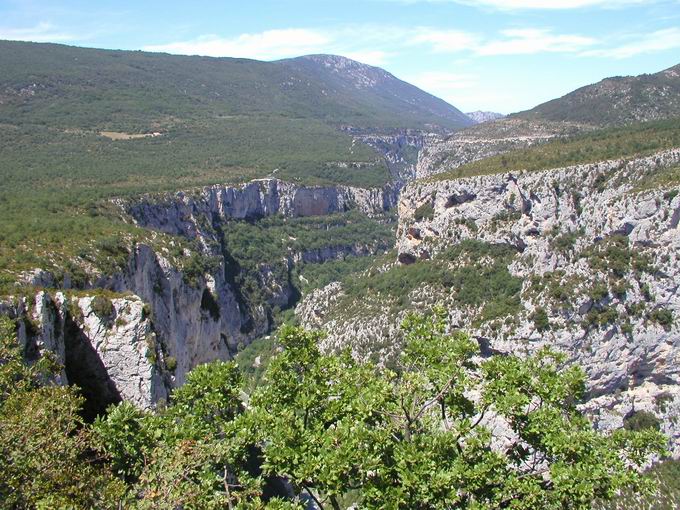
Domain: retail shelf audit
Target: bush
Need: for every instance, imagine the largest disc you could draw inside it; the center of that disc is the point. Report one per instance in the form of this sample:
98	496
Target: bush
425	211
103	308
540	318
641	420
662	317
171	363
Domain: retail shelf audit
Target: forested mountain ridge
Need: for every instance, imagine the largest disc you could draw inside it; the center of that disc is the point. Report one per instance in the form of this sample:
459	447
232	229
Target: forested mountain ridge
136	91
616	101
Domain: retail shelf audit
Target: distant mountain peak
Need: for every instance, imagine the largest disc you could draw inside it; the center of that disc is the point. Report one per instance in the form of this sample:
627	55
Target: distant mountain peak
347	78
362	75
480	116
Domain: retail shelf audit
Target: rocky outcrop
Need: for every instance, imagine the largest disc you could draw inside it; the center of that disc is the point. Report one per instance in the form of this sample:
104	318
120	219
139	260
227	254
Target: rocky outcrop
111	356
479	116
485	140
598	258
399	149
188	213
170	314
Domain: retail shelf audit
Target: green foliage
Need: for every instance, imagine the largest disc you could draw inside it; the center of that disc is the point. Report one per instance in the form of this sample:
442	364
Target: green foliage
46	460
265	246
599	316
415	438
171	363
125	438
540	319
666	476
197	265
254	359
565	242
641	420
615	256
316	276
424	212
103	307
335	428
662	316
474	273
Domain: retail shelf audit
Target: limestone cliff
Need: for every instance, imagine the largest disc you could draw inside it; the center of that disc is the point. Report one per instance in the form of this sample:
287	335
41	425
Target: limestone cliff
486	140
167	315
594	252
110	356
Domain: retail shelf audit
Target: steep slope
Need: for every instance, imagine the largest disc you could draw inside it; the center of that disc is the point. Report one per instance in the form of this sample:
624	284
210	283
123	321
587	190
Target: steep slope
616	101
98	89
581	257
373	90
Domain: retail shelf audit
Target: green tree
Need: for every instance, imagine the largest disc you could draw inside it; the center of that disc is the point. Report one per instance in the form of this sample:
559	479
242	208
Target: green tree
421	436
45	456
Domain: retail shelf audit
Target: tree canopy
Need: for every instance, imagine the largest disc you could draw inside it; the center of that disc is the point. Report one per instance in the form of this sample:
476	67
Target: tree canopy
443	428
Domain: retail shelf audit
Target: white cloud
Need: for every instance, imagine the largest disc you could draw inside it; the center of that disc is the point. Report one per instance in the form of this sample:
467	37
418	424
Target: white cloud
442	83
445	41
533	40
42	32
512	42
661	40
268	45
446	85
467	91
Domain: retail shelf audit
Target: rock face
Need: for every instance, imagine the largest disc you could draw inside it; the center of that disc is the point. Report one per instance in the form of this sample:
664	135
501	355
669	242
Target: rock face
598	259
479	116
110	358
485	140
164	319
185	213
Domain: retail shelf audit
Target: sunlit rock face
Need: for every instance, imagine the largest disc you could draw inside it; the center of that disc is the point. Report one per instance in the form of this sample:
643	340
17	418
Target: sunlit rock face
597	249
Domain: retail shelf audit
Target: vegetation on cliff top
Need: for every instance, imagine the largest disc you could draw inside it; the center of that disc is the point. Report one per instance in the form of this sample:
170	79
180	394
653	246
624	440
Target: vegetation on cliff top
325	427
614	143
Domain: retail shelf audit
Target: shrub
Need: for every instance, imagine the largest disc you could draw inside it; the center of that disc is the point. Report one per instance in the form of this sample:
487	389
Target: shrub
540	319
641	420
662	317
425	211
171	363
103	308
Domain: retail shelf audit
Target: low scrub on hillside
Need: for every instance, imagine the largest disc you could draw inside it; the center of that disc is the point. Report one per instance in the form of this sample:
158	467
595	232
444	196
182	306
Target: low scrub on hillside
260	253
473	274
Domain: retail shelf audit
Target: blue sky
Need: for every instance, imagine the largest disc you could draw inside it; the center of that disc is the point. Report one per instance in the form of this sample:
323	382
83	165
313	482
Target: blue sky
500	55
